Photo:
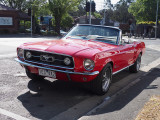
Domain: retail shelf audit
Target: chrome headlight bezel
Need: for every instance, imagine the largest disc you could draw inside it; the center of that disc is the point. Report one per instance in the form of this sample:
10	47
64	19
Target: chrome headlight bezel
20	52
28	55
88	64
67	61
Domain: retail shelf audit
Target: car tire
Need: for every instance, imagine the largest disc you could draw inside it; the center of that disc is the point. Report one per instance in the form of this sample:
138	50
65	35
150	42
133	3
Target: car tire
101	84
33	76
136	66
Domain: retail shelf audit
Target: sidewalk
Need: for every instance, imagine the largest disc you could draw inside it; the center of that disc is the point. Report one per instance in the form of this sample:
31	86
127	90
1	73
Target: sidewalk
127	105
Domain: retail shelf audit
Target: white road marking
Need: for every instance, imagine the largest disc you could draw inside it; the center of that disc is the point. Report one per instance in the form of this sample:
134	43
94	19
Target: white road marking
151	65
154	47
12	115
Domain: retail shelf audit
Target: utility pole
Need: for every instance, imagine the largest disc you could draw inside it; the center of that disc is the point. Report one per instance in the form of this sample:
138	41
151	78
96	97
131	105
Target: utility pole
31	20
90	13
104	12
156	20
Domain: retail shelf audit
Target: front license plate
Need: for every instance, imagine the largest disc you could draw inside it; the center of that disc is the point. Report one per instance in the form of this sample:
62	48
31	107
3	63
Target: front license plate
47	73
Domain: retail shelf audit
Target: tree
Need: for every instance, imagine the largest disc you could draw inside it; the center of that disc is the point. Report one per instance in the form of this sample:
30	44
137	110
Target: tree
39	7
59	8
67	21
97	15
16	4
80	12
109	5
121	13
144	10
23	5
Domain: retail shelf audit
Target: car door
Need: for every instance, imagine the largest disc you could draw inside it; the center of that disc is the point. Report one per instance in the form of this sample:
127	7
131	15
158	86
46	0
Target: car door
124	57
130	52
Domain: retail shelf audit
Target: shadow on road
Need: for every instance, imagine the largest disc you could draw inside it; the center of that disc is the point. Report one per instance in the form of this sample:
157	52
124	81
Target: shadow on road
47	99
122	100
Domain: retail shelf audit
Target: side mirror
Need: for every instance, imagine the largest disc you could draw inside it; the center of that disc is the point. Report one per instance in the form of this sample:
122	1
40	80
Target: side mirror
125	41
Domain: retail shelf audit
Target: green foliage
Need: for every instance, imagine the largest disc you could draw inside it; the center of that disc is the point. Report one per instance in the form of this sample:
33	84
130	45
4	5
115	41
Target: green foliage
97	15
59	8
27	24
49	33
144	10
67	21
80	12
121	13
148	22
17	4
39	7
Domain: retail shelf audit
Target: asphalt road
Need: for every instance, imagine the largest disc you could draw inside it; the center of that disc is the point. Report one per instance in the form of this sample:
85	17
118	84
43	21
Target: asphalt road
8	45
49	99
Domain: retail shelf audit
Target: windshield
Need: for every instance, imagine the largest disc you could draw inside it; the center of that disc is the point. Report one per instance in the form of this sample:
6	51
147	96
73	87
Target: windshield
97	33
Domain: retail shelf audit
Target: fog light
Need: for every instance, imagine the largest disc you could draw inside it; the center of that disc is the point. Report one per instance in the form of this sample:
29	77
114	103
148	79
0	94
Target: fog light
28	55
67	61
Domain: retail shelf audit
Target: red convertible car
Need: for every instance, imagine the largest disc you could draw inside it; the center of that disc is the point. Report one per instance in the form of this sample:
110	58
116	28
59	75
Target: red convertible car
88	53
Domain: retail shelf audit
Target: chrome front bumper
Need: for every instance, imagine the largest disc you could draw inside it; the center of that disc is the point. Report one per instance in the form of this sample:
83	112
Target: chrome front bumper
62	71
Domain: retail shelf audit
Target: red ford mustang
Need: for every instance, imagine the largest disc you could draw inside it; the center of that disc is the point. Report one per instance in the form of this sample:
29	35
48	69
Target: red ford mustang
88	53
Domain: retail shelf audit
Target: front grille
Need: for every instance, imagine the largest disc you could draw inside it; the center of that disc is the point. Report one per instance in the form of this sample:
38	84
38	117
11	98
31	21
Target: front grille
56	60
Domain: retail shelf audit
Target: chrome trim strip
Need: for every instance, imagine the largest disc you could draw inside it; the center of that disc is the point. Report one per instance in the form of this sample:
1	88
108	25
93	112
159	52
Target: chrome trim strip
49	65
121	69
63	71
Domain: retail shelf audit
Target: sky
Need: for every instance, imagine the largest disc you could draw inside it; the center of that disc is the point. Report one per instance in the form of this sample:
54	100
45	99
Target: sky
100	3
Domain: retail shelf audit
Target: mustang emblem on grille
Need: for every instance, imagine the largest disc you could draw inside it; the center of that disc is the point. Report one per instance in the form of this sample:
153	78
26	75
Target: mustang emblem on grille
47	58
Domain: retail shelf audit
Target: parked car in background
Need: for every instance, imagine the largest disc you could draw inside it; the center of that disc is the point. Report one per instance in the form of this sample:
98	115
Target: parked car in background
88	53
28	30
63	32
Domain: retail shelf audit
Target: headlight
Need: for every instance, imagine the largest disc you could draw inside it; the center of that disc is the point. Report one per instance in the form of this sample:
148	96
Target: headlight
88	64
28	55
67	61
20	52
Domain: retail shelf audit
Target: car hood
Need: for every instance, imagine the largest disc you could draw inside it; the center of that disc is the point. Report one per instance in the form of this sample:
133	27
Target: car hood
68	46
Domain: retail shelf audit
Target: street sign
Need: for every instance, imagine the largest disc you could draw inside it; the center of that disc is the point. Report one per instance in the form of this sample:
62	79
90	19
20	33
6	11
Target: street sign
6	21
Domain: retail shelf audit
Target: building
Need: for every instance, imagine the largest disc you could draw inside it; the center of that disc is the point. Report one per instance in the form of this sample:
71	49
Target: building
10	19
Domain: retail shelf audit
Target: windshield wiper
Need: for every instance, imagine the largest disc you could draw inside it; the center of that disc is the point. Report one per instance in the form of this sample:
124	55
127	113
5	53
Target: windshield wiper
105	39
77	37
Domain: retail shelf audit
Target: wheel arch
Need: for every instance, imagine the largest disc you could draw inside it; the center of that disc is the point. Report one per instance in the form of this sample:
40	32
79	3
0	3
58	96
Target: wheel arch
108	61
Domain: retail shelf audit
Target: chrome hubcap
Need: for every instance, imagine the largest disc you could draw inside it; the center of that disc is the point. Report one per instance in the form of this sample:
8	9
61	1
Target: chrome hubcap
106	81
138	63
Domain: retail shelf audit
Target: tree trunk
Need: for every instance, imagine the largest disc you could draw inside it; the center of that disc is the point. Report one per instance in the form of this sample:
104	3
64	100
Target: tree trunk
58	24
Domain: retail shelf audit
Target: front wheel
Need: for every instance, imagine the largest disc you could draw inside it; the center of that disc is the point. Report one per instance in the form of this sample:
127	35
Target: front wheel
101	84
136	66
